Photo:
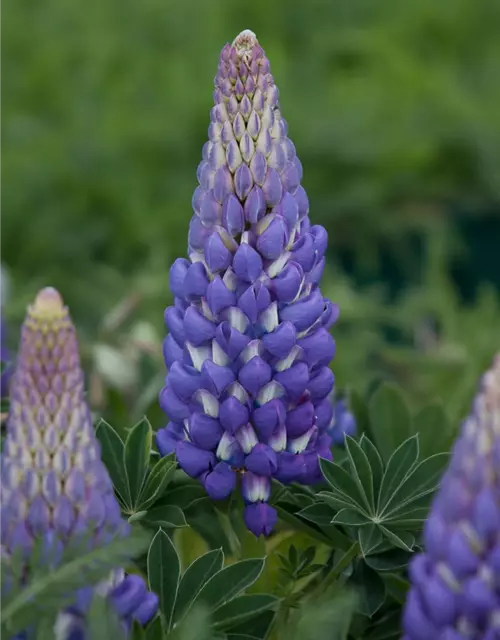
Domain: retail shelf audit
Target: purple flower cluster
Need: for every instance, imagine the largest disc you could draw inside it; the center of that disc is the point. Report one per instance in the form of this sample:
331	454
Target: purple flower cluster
5	357
54	486
455	590
249	347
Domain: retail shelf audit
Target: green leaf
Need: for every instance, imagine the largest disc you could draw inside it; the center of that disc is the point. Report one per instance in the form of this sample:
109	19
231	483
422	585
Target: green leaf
163	573
196	627
390	419
183	497
433	428
350	518
369	539
330	536
403	539
320	513
112	453
376	464
391	560
400	464
423	480
361	471
256	628
370	588
334	501
396	586
154	630
388	627
169	517
241	609
136	457
159	478
327	617
194	579
342	484
229	582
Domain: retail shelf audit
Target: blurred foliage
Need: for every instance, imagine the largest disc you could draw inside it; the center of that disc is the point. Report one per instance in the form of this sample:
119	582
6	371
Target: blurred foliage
395	113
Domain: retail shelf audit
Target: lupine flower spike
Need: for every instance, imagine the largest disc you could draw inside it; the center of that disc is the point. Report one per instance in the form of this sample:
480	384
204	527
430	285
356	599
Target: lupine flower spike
455	590
249	343
54	485
5	357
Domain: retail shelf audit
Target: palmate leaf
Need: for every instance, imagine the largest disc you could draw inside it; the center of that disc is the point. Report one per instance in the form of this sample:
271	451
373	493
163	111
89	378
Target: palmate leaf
422	480
230	582
342	484
156	482
399	466
205	584
369	538
329	535
166	516
137	486
402	491
369	587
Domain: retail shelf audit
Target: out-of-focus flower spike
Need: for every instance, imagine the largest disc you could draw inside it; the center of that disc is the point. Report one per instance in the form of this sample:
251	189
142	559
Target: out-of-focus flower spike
54	487
5	355
249	347
454	592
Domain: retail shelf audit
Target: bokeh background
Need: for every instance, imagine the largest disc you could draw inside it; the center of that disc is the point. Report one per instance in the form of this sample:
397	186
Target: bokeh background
394	108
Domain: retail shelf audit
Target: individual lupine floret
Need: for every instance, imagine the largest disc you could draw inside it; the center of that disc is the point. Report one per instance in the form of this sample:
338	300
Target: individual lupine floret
455	589
249	346
343	422
54	487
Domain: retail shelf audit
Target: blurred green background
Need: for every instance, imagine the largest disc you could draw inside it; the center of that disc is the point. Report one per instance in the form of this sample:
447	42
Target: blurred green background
394	108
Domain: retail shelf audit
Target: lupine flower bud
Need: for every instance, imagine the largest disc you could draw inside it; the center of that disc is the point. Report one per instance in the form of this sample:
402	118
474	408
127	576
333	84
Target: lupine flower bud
456	582
249	348
54	486
343	422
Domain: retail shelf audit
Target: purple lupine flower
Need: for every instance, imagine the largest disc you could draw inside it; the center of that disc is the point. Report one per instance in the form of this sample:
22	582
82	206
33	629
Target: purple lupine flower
249	343
455	589
5	357
54	486
343	422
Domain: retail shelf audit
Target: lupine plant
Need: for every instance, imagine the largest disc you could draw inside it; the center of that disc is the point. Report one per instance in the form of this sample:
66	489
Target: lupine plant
249	347
55	491
262	507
